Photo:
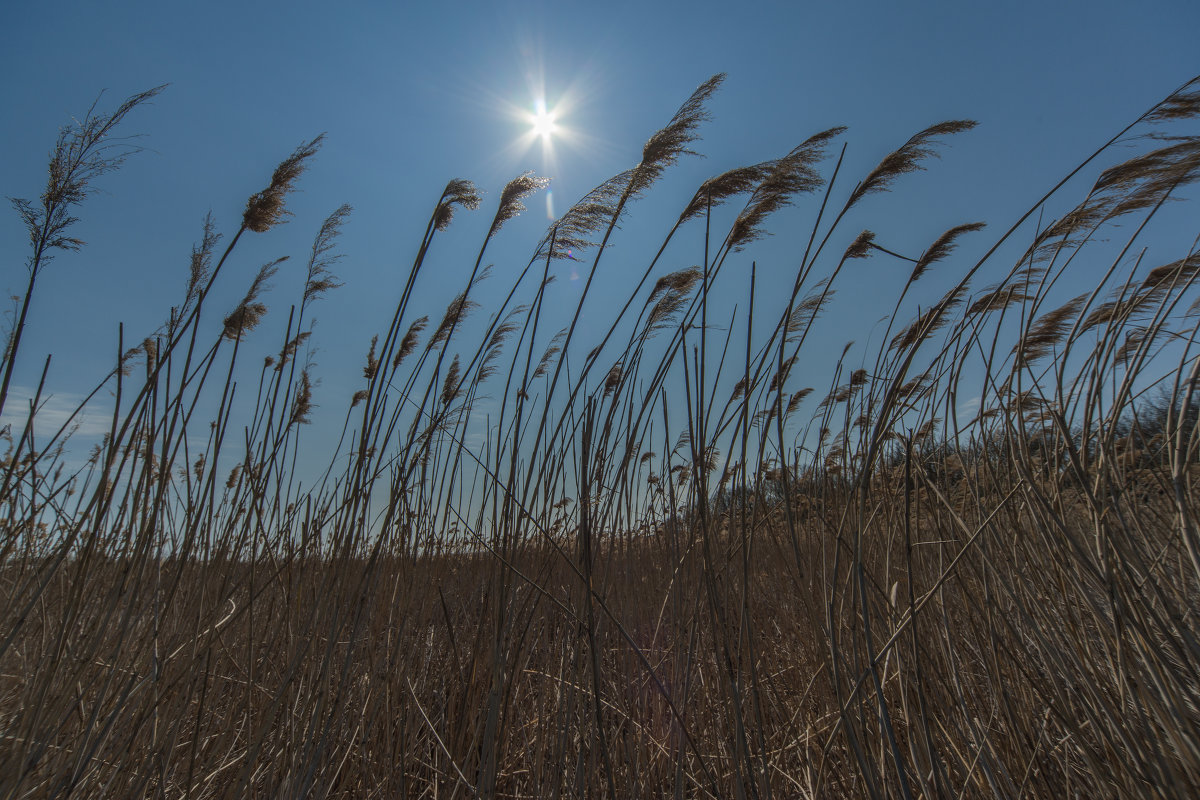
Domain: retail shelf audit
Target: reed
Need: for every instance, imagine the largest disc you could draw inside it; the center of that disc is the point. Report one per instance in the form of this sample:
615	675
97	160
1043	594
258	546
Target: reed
678	560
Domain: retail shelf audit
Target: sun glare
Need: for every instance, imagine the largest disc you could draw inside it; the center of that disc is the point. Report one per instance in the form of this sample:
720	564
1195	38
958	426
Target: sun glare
542	121
544	125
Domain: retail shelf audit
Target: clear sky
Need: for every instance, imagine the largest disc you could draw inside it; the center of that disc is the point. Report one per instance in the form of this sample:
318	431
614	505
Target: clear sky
411	95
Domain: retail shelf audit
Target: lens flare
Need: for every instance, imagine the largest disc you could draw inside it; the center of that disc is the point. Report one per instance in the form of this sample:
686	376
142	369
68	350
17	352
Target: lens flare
542	121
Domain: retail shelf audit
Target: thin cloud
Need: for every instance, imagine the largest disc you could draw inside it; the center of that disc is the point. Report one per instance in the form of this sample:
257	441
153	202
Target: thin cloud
53	412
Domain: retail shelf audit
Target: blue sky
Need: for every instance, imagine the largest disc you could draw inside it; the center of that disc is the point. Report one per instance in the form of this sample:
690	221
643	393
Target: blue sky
411	95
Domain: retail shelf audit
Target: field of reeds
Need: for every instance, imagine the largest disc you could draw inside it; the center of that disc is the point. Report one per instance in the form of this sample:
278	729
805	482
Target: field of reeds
676	560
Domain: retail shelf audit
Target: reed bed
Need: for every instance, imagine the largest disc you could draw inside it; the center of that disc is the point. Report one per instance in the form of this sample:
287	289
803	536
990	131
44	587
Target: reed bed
676	561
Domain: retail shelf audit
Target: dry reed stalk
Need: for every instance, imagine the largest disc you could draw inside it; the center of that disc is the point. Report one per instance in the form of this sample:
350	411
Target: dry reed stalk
882	599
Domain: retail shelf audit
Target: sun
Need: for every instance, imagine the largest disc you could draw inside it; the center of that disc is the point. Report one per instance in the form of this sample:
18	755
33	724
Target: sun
542	121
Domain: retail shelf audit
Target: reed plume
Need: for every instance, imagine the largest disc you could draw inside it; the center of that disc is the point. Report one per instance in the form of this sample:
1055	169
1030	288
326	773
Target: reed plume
459	308
409	342
266	209
942	247
1048	330
302	404
717	190
861	246
666	146
908	158
83	152
514	192
458	193
372	365
320	278
791	175
246	316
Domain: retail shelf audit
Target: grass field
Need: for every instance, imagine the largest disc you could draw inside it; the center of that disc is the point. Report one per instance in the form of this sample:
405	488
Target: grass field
675	562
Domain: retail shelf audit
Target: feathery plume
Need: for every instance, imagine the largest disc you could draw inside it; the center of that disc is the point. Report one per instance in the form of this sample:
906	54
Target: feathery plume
458	309
1048	330
716	190
670	304
451	385
302	404
1133	342
706	461
265	209
291	347
793	174
914	387
1138	183
1183	104
1026	402
780	377
613	379
907	159
552	350
1106	312
763	417
248	313
487	367
458	192
514	192
861	246
573	231
942	247
926	430
807	310
1155	172
83	152
1173	275
409	342
679	281
201	261
600	207
927	323
150	348
372	360
998	298
796	399
666	146
319	278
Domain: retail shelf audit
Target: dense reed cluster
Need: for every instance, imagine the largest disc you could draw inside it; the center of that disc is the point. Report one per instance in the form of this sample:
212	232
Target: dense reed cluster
676	561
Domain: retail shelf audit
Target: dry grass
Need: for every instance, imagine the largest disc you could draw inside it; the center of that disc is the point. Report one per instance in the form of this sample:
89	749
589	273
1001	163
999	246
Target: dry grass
668	570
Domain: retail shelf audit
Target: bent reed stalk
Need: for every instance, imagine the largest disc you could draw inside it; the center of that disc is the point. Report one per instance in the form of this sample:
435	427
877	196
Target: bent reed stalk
963	562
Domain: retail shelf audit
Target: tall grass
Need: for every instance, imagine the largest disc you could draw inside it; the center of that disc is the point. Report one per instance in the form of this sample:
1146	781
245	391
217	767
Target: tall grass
665	566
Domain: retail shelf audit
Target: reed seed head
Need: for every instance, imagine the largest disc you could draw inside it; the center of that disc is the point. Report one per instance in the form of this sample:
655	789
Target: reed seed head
861	246
458	193
666	146
942	247
908	158
409	342
320	278
266	209
793	174
249	313
514	192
